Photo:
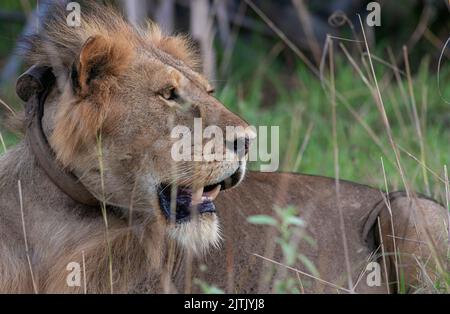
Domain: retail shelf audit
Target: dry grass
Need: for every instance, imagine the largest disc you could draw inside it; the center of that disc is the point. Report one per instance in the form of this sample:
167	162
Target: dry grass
368	76
390	150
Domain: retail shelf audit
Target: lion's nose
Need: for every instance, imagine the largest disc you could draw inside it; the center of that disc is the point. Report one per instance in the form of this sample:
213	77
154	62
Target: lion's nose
241	146
242	143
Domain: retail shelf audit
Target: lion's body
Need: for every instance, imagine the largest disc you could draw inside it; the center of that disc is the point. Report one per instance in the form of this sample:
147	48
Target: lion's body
59	232
108	120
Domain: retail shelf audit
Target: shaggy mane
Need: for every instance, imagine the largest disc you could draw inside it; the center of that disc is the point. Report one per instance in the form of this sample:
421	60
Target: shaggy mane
104	39
57	44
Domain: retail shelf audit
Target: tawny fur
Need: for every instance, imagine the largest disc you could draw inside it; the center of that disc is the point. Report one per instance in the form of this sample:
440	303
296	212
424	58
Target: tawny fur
82	116
120	118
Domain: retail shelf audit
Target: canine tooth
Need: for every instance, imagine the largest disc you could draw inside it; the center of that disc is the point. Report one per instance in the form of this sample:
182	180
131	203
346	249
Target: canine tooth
211	195
197	196
215	192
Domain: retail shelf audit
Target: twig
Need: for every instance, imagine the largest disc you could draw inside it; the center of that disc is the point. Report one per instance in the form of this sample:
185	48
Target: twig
388	205
416	118
19	185
422	164
383	254
305	20
103	209
4	104
304	274
2	141
447	202
336	166
303	147
439	72
380	105
84	273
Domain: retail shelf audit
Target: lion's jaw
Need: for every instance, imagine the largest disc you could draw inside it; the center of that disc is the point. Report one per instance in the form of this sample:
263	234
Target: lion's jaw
191	213
198	235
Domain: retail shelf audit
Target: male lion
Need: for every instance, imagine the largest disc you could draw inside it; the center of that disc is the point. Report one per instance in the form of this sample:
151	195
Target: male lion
154	222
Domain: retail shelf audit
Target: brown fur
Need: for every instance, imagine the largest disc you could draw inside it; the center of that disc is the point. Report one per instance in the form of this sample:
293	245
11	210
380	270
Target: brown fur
80	120
122	104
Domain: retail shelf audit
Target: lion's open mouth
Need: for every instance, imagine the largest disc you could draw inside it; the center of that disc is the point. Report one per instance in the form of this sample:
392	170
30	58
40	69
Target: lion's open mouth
191	201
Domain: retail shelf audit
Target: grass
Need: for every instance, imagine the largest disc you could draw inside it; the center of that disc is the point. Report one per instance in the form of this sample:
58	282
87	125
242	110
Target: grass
325	135
264	92
386	113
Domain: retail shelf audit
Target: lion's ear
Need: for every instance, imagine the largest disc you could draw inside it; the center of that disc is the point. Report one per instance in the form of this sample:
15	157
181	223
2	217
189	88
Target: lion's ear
99	59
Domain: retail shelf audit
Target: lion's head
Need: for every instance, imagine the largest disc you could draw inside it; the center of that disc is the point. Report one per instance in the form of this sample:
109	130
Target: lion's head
121	93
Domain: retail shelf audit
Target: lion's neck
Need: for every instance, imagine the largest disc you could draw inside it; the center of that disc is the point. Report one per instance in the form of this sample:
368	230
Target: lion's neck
18	167
60	231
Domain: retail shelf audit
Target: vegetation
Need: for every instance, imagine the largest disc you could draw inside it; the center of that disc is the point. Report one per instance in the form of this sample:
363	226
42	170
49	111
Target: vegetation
262	90
332	125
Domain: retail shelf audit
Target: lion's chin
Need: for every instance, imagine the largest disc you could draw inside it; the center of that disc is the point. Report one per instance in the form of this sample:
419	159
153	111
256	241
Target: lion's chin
198	235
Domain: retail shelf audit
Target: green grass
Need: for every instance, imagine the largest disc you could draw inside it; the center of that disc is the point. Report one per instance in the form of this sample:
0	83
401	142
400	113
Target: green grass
265	91
10	31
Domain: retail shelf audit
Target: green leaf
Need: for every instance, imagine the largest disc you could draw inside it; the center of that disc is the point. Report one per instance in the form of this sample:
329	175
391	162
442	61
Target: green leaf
308	264
289	253
309	240
214	290
262	220
296	221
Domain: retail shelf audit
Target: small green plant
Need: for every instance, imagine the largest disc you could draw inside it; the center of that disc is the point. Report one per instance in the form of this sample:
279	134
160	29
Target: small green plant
291	230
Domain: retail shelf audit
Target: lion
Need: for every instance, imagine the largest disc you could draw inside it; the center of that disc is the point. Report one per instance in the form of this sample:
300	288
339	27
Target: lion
157	225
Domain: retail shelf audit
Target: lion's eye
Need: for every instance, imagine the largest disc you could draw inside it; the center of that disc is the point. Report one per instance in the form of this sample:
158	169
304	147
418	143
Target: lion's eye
170	94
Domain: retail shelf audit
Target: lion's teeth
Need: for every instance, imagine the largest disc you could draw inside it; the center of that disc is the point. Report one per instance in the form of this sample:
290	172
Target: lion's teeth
211	195
197	196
